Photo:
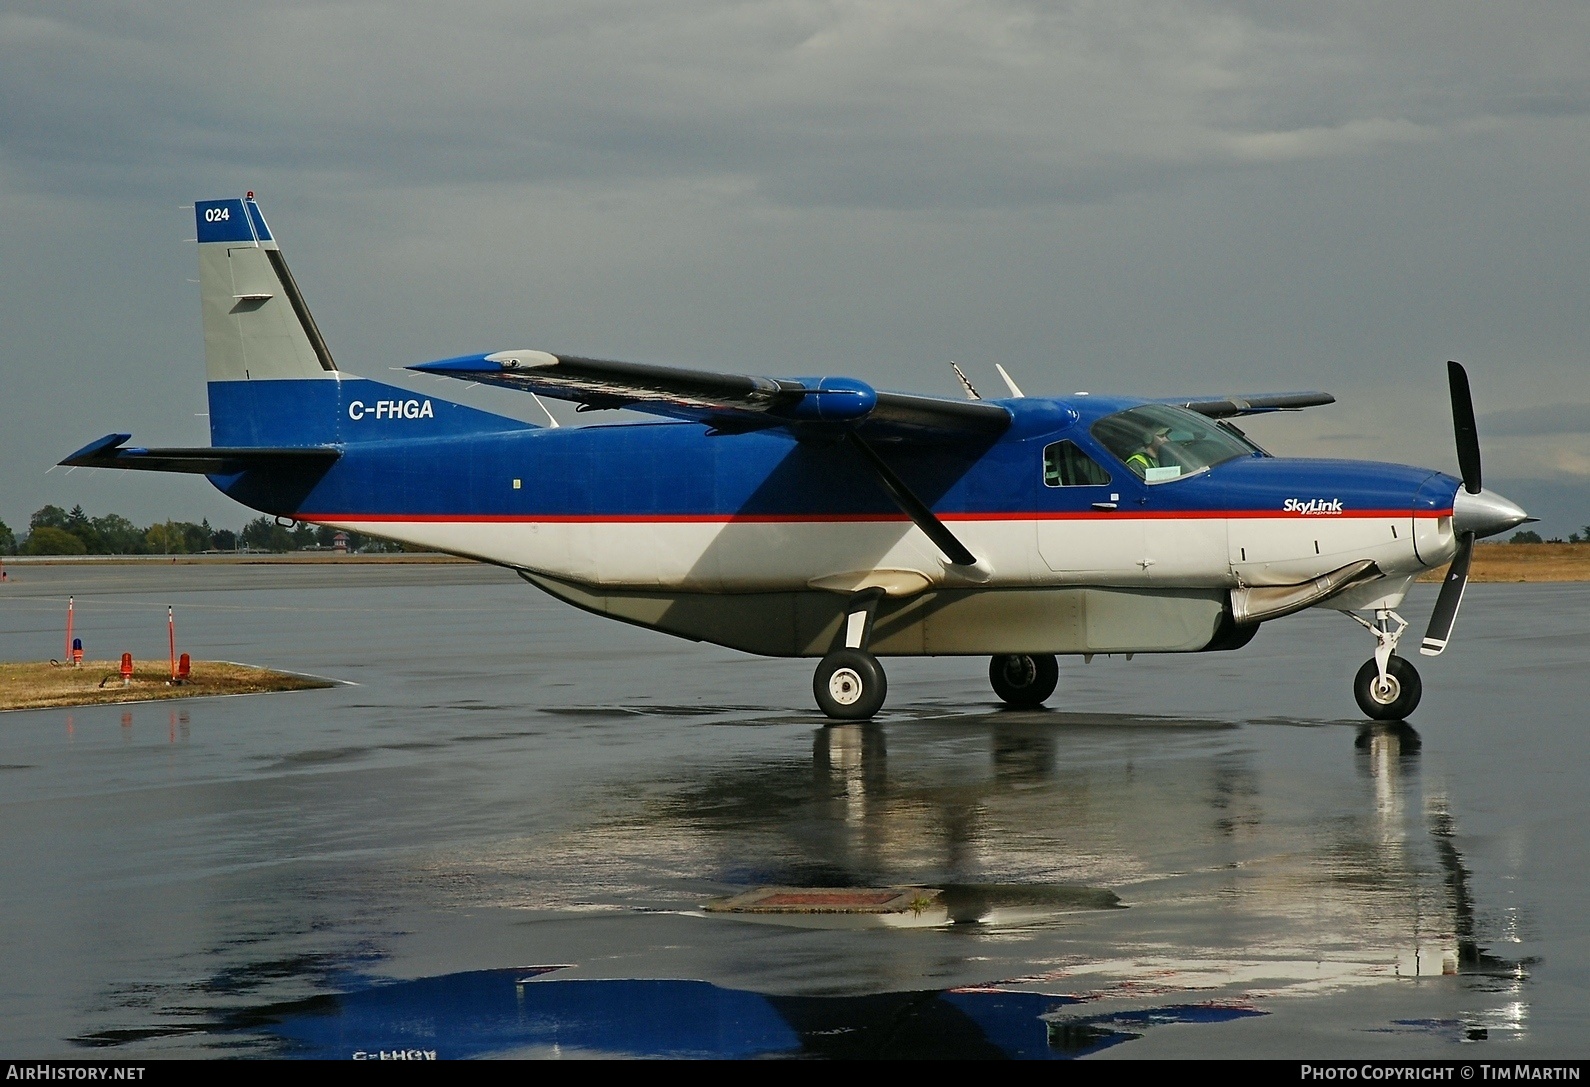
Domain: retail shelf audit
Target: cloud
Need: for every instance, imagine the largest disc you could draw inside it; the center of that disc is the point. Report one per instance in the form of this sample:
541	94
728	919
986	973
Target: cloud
1547	419
1326	141
1536	459
899	103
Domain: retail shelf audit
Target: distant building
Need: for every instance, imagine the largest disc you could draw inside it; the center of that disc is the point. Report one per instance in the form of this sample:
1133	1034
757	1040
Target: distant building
339	542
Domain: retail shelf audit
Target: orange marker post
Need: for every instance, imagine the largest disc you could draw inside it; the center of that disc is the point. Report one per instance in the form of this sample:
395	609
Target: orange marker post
126	671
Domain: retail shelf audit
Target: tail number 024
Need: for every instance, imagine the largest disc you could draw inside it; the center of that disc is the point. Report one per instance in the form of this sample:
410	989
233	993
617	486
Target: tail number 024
217	215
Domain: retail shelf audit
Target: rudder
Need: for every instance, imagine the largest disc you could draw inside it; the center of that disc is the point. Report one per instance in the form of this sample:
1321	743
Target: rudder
256	323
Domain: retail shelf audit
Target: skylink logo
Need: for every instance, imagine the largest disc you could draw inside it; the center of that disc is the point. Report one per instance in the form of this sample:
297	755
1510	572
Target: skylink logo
391	409
1313	506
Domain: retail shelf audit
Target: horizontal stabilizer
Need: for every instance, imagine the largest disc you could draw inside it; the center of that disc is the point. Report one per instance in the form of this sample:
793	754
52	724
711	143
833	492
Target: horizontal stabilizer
730	402
111	451
1229	407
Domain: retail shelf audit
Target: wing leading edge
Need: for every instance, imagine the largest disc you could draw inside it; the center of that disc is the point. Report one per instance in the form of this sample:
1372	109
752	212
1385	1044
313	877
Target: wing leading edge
730	402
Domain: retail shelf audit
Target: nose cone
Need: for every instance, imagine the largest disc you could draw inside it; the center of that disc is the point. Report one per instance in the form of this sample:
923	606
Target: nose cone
1486	513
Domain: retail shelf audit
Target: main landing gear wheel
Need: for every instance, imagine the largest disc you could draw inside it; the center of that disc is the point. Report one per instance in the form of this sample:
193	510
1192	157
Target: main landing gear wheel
1024	680
1393	700
850	685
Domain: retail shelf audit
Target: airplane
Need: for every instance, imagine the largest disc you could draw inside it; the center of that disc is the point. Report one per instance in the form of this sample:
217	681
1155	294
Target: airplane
820	517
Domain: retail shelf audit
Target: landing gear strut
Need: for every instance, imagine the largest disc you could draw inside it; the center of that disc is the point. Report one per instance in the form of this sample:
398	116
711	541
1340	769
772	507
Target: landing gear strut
1387	687
850	684
1024	680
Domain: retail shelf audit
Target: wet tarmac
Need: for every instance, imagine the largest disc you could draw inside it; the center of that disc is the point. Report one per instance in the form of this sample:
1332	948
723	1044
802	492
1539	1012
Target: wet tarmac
498	839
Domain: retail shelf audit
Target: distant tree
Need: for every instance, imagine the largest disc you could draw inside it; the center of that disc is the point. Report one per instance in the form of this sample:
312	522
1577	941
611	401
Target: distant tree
78	524
164	538
372	545
225	539
8	540
178	538
49	540
119	536
256	535
1525	537
48	517
264	534
195	538
303	536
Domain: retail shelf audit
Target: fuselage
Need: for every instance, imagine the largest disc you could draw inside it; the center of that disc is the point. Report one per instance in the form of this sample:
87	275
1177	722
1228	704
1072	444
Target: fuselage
676	506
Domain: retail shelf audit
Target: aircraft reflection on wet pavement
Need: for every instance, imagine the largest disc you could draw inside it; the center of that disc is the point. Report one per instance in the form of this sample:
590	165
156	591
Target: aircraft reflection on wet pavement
1375	893
526	1011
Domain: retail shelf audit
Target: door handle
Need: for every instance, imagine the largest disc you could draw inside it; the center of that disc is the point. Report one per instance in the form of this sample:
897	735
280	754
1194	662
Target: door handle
1104	505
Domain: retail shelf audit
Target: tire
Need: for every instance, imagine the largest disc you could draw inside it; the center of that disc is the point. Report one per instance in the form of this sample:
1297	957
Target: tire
1024	680
850	685
1394	704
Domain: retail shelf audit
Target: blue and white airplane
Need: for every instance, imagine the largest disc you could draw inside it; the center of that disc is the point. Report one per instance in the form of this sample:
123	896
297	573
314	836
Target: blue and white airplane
819	517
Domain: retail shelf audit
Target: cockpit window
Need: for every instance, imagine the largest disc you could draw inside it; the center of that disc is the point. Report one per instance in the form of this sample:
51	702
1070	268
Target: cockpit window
1064	465
1159	442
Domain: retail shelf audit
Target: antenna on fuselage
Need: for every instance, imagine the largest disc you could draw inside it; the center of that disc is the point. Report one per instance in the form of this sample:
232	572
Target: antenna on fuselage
966	383
1015	390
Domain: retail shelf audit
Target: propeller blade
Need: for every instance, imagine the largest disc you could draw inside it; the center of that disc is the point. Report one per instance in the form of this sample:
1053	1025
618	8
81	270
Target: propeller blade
1468	436
1446	605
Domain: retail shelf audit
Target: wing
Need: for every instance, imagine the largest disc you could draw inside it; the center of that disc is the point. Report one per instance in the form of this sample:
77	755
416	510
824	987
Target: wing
1229	407
731	402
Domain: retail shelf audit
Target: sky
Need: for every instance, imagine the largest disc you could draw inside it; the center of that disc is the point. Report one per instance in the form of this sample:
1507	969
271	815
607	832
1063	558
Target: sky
1156	198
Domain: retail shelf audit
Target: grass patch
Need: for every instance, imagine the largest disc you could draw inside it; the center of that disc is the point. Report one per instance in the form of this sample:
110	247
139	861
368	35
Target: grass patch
32	686
1508	562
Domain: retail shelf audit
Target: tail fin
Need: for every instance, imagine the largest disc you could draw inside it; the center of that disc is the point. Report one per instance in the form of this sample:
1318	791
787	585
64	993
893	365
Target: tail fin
273	384
256	325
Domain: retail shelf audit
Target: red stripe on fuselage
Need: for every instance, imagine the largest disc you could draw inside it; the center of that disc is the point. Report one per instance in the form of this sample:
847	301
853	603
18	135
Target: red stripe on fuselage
843	518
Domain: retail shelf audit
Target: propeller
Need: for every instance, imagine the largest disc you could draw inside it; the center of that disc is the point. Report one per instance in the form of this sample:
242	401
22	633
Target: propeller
1439	631
1468	517
1468	436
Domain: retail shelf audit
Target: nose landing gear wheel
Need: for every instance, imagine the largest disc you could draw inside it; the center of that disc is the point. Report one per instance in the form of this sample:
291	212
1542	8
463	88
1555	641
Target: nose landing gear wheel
850	685
1394	700
1024	680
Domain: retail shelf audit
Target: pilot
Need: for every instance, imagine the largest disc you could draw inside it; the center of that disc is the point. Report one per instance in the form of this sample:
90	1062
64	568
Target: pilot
1149	455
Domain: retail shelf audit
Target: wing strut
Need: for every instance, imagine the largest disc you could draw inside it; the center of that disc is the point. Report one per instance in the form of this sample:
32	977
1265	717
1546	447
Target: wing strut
912	506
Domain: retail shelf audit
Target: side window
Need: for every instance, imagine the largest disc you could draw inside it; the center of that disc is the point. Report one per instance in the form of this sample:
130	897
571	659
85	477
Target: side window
1064	465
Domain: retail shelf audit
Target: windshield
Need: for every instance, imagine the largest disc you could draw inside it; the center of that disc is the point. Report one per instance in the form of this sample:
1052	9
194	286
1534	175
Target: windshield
1159	442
